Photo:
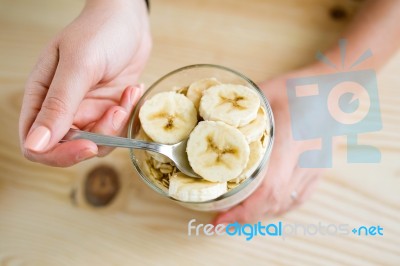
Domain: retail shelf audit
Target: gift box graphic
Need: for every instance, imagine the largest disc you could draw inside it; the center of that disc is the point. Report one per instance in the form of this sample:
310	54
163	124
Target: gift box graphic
335	101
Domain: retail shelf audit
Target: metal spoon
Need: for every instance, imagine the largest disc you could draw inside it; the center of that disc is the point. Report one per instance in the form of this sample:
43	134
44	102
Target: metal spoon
175	152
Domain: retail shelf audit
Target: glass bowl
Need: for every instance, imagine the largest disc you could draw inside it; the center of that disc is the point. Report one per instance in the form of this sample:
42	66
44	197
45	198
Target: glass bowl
183	77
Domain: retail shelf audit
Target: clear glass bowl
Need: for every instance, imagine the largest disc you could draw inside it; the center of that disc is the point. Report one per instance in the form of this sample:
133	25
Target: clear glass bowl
183	77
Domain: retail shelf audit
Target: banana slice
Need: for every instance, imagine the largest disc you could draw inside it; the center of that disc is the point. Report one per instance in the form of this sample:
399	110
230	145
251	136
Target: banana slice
168	117
156	156
255	129
142	135
265	138
181	90
217	152
184	188
196	89
159	157
256	154
236	105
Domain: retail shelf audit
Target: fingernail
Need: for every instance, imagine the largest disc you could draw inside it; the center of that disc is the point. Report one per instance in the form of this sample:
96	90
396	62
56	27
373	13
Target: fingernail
136	93
118	118
141	86
38	139
86	154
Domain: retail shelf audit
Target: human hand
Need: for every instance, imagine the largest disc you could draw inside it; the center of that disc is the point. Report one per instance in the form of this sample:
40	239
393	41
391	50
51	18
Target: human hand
82	80
285	185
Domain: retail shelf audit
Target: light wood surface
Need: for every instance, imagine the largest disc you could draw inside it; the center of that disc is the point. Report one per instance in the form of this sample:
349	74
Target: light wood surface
44	219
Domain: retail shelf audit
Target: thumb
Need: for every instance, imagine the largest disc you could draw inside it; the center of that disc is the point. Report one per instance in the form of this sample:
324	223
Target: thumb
67	89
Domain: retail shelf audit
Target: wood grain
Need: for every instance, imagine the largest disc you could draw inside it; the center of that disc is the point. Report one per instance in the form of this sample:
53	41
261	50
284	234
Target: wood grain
45	220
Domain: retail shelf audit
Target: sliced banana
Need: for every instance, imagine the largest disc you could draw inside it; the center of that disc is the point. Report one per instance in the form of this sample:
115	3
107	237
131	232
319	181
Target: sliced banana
159	157
142	135
236	105
232	185
256	154
184	188
196	89
255	129
217	152
265	138
181	90
168	117
156	156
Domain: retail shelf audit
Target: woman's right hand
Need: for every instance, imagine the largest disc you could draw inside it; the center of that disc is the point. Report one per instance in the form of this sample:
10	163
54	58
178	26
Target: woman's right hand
83	79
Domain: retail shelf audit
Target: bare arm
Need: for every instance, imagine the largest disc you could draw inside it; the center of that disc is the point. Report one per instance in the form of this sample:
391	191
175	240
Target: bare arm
286	185
375	27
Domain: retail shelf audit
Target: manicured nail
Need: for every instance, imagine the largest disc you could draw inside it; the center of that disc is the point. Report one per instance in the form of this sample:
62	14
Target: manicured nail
118	118
136	93
38	139
86	154
141	86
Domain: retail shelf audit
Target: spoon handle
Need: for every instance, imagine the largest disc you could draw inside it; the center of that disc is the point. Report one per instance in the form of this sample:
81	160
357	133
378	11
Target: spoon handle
112	141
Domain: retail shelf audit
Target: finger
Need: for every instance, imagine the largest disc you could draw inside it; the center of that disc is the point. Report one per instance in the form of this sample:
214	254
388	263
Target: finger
268	197
305	187
68	87
253	208
114	120
36	89
262	202
298	200
131	96
66	154
86	114
85	117
111	123
309	188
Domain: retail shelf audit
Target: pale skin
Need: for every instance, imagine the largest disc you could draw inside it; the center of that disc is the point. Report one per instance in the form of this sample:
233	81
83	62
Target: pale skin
84	80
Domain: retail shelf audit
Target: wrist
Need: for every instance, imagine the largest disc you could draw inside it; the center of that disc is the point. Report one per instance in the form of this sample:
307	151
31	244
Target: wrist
130	13
134	5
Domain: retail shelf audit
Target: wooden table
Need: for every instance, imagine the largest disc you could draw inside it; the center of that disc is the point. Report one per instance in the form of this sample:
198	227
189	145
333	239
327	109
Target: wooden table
45	219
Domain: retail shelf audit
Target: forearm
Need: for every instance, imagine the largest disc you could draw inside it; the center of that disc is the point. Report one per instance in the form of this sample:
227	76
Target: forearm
116	2
375	27
131	8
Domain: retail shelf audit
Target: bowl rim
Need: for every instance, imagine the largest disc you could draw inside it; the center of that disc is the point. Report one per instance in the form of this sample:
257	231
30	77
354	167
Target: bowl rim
248	180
